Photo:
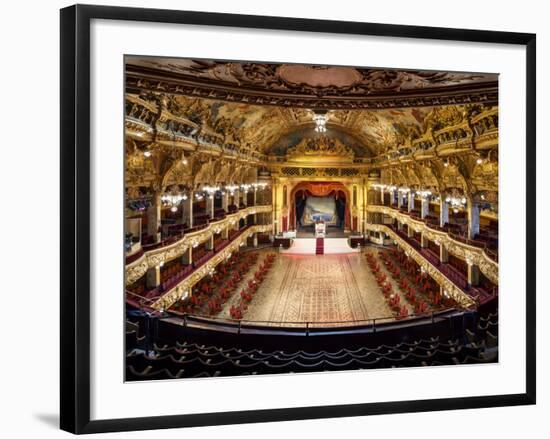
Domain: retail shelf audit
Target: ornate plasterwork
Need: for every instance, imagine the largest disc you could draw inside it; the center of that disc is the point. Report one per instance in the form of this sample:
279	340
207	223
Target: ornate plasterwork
452	290
473	255
320	149
178	291
153	258
309	86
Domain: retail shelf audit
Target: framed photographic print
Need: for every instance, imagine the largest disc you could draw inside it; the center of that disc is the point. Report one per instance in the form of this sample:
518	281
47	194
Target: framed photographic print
269	218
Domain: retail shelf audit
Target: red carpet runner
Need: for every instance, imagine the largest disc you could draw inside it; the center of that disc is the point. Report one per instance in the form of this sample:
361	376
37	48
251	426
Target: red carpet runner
320	246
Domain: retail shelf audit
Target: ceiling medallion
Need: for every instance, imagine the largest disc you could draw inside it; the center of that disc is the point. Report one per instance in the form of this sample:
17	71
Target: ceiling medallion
319	76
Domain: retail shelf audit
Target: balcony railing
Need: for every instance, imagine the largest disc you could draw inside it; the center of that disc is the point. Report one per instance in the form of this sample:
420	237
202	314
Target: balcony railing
477	252
176	245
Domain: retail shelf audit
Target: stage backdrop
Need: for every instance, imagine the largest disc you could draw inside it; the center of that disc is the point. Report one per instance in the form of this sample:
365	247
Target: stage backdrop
320	209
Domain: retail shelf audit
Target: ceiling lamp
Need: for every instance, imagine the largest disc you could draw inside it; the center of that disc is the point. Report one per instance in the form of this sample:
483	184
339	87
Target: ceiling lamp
147	153
320	122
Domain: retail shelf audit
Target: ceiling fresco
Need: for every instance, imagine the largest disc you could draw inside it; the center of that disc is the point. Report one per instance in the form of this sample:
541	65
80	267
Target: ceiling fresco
309	86
212	121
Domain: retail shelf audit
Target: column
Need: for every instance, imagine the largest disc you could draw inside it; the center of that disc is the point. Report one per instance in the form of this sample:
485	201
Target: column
473	220
411	201
210	205
255	240
255	199
152	279
225	232
443	254
443	212
187	209
399	225
236	198
209	244
425	208
473	275
382	196
245	197
154	217
410	231
399	199
225	201
187	257
423	241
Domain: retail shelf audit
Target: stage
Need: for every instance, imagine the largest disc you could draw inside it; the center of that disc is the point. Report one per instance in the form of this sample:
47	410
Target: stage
331	232
308	246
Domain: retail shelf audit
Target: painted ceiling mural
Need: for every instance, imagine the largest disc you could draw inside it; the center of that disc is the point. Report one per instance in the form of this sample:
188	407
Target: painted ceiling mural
271	130
265	110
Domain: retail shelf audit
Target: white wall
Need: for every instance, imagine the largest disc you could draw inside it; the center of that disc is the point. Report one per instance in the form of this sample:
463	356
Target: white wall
30	165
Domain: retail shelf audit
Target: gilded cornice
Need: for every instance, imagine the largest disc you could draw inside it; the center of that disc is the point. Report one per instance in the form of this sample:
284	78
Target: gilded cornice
471	254
153	258
173	295
453	291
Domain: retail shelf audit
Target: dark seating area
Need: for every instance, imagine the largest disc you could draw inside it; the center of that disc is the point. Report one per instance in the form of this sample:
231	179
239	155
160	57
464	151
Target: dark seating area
188	358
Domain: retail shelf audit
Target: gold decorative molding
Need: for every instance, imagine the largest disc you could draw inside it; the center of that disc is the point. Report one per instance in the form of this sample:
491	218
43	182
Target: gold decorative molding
452	290
178	291
152	258
320	150
469	253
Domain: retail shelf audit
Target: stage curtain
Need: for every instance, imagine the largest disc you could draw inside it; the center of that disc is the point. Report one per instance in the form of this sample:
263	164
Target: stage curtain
300	205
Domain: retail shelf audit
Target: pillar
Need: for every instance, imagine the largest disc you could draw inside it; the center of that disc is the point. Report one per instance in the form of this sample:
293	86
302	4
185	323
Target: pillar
399	199
411	201
187	257
225	201
473	275
153	277
225	232
236	198
154	218
245	197
423	241
443	212
382	201
425	208
209	244
255	240
210	205
443	254
187	209
410	231
473	220
399	225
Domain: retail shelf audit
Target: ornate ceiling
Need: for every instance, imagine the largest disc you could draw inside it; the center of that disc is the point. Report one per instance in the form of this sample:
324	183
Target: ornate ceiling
308	86
263	114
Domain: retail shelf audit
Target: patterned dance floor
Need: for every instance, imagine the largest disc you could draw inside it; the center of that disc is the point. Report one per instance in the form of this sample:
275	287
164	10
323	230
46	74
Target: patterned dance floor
322	289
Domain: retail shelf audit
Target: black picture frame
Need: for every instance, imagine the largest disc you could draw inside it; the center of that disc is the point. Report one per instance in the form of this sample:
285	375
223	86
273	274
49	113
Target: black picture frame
75	217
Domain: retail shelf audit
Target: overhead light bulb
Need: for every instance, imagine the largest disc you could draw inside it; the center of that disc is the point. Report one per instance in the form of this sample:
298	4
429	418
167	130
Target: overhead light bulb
147	153
184	161
173	209
479	161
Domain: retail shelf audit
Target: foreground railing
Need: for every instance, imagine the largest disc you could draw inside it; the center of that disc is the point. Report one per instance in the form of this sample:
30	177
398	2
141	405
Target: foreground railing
241	326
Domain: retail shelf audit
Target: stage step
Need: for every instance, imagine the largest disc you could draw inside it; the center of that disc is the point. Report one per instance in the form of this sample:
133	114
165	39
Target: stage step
308	246
320	246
